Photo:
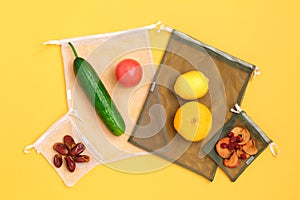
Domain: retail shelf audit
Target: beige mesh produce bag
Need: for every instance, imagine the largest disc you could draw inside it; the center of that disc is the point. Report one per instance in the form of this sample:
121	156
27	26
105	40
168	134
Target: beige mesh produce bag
103	52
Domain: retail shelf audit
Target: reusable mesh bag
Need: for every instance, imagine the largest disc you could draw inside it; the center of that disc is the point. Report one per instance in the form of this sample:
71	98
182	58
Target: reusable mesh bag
228	78
148	109
103	52
44	145
261	140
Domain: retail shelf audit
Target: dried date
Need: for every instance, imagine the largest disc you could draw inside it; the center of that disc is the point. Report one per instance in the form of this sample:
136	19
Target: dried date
71	153
81	158
57	160
70	163
78	149
60	148
69	142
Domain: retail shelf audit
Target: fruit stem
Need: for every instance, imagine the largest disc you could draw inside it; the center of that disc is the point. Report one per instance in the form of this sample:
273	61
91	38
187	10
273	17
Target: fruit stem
73	49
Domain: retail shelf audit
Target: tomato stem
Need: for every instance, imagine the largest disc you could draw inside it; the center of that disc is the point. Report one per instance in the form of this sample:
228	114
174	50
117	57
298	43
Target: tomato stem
73	49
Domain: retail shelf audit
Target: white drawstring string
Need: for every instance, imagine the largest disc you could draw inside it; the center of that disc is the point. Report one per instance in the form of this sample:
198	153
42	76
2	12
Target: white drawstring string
274	149
236	109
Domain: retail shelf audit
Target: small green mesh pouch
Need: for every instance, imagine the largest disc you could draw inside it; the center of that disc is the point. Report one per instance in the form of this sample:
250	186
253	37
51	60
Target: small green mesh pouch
261	140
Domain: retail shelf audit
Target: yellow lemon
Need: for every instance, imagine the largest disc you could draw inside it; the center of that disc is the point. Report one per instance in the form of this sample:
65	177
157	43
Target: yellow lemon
193	121
191	85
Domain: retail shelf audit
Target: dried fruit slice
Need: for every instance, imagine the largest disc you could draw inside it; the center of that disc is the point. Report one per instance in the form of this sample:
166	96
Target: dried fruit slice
250	148
232	162
241	135
245	136
224	152
236	130
241	154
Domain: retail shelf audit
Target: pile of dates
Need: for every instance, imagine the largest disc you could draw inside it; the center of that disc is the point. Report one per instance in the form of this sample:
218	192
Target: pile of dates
71	152
237	145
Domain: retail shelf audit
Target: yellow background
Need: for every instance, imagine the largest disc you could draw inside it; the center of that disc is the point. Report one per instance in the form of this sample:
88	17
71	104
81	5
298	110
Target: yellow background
265	33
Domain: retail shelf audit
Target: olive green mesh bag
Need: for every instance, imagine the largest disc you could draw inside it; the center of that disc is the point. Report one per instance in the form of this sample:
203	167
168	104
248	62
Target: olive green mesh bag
228	79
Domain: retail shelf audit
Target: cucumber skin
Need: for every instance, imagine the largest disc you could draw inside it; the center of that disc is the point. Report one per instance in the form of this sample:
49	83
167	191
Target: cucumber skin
96	92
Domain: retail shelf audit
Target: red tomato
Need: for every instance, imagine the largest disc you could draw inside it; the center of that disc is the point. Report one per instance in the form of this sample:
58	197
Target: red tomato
129	72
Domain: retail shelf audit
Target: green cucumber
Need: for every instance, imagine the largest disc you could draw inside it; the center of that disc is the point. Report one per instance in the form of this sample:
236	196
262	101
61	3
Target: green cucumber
97	94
